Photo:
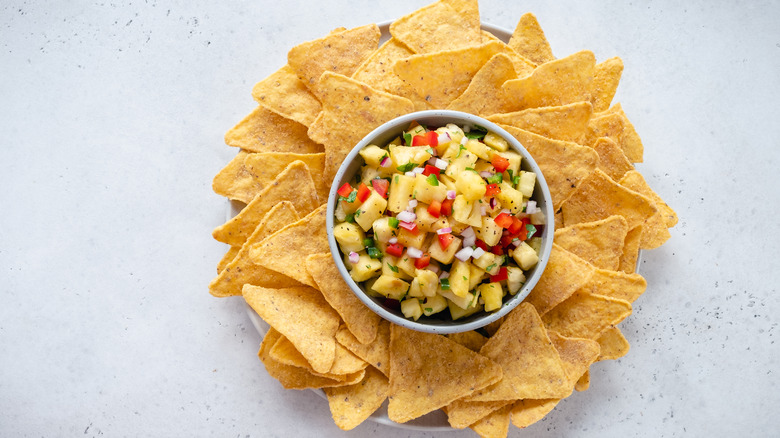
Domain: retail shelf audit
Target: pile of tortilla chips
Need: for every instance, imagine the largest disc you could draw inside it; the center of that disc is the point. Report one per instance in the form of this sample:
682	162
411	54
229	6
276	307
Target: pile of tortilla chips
335	90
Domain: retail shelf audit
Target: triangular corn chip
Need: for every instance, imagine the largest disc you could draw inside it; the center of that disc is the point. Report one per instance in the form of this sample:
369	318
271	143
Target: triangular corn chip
606	78
628	259
433	29
599	243
353	404
612	160
265	167
283	93
265	131
484	95
586	315
616	126
565	122
527	412
613	344
564	274
528	40
377	353
462	414
495	424
616	284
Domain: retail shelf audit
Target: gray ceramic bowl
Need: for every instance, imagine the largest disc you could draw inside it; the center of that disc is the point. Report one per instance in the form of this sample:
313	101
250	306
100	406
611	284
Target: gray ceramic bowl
383	135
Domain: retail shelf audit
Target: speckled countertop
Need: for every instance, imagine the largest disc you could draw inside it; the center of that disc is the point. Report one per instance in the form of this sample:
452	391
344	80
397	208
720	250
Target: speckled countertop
111	125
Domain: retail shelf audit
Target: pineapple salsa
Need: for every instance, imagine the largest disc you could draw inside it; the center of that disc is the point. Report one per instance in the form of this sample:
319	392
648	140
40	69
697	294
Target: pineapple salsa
440	219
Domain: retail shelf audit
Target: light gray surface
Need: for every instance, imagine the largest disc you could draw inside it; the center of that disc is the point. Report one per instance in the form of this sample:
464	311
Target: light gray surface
111	122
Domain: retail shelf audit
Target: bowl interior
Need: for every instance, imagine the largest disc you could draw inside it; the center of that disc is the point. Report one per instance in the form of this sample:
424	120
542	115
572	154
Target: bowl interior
383	135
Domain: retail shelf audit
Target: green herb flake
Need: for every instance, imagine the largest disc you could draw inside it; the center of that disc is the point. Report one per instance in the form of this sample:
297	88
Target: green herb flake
496	178
490	267
351	198
477	132
368	242
531	230
462	148
374	253
445	284
428	309
432	180
393	222
350	218
406	167
392	268
408	139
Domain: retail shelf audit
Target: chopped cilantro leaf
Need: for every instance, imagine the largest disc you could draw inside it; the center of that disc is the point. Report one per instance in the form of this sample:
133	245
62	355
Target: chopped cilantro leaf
406	167
408	139
432	180
392	268
531	230
477	132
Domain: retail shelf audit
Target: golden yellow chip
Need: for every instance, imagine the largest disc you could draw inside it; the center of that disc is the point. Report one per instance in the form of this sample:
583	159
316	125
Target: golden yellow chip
495	424
462	414
471	339
654	229
484	95
265	167
360	320
564	274
599	197
565	122
437	27
242	270
564	165
612	160
577	355
528	40
441	77
303	316
294	185
599	243
265	131
584	383
339	52
377	72
231	253
586	315
429	371
616	284
377	353
350	110
531	365
527	412
235	181
616	126
559	82
630	254
613	344
636	182
606	78
283	93
286	250
353	404
345	364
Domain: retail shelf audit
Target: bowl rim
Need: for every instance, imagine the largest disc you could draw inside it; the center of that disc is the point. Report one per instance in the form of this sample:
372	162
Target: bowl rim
480	319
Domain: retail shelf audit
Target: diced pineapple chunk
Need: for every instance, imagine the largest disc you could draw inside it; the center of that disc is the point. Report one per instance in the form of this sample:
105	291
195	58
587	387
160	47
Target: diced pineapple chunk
400	192
470	185
447	181
382	232
391	287
458	312
365	268
476	275
526	184
428	282
489	232
525	256
425	192
464	302
372	209
411	308
349	237
496	142
409	239
510	198
492	295
514	161
515	278
459	278
373	155
466	212
444	255
390	268
489	262
367	173
427	222
460	162
403	155
478	148
434	304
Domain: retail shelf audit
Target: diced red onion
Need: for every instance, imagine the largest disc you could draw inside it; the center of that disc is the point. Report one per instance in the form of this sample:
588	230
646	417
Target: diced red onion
392	240
414	252
418	170
441	164
493	203
506	210
485	174
407	225
466	128
354	257
482	210
410	173
464	140
464	254
432	161
530	207
469	237
479	252
433	268
517	242
444	137
412	203
451	194
444	230
444	274
385	162
406	216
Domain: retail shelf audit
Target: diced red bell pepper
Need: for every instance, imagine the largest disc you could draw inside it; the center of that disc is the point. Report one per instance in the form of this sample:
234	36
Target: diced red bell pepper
499	162
497	250
410	227
395	249
363	192
480	244
431	170
446	207
516	225
507	240
492	190
344	190
419	140
380	186
434	208
503	220
423	261
433	138
445	240
501	276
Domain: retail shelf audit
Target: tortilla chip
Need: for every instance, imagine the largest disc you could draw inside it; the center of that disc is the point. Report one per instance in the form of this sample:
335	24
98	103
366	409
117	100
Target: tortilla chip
353	404
612	160
564	274
377	353
616	284
616	126
599	197
437	27
636	182
577	355
462	414
350	111
484	95
628	259
339	52
495	424
360	320
528	412
606	78
654	230
584	383
429	371
613	344
599	243
565	165
283	93
471	339
265	131
377	72
292	377
559	82
235	181
293	185
285	250
265	167
441	77
566	122
531	365
528	40
228	257
303	316
242	270
586	315
344	365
